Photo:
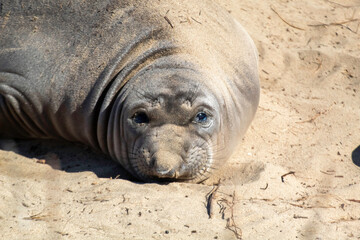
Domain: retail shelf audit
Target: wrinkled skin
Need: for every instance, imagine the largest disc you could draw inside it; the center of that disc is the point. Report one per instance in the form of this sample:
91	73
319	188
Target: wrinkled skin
167	97
170	129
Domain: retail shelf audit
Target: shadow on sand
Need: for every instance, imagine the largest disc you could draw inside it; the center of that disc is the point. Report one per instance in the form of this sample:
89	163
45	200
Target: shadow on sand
69	157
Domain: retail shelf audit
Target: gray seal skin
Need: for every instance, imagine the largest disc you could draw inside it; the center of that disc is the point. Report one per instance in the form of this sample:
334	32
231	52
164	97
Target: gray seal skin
166	88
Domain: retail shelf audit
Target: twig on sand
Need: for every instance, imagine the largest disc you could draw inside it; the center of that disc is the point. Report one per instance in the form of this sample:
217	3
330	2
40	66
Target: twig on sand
353	200
334	23
318	114
36	217
230	222
196	20
168	21
209	199
327	173
337	24
222	207
291	25
282	176
264	188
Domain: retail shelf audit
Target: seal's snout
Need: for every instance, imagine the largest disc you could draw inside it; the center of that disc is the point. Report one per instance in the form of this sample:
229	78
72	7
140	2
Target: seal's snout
166	164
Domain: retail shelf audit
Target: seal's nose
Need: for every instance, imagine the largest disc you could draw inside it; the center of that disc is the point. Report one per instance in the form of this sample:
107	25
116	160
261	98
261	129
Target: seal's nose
166	164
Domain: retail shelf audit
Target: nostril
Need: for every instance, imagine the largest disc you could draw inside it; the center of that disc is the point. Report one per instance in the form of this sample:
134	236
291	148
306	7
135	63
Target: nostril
152	162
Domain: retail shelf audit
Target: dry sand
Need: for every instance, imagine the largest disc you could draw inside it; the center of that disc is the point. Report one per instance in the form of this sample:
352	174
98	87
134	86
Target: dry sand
307	125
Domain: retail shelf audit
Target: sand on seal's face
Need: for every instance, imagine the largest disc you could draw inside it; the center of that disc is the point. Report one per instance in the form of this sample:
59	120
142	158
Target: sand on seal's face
307	123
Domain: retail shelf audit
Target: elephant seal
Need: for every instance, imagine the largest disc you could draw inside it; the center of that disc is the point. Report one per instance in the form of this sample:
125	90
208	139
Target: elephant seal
166	88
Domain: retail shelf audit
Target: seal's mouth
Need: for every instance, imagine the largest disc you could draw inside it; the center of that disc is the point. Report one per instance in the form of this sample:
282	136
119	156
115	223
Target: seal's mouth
194	166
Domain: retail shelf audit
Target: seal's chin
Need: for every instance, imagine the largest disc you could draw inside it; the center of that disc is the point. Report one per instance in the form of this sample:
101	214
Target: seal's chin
165	166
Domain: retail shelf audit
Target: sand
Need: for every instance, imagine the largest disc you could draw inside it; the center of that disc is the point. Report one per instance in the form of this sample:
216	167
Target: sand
295	176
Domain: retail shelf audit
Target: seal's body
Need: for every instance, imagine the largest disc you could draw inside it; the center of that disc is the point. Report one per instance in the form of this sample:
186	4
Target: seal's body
166	88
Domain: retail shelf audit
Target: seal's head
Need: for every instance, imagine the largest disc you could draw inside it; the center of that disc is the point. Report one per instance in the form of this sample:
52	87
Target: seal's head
183	101
170	128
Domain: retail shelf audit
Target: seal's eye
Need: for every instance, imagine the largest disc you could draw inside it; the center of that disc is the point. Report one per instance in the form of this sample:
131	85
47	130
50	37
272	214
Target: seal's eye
140	118
201	117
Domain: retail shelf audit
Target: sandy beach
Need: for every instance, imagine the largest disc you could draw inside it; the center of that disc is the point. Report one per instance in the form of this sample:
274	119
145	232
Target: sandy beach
295	176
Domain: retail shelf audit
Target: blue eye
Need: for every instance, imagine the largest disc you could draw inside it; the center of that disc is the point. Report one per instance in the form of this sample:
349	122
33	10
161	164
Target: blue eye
140	118
201	117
